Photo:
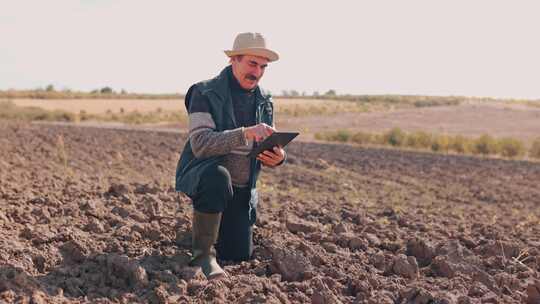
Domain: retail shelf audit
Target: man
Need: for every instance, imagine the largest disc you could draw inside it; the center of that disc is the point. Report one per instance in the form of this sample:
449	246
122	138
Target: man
227	116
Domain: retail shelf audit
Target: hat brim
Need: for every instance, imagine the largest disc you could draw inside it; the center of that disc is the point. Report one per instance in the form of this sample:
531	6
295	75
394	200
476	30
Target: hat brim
261	52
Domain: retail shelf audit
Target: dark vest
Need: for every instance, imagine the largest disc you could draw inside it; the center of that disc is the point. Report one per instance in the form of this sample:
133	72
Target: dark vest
217	90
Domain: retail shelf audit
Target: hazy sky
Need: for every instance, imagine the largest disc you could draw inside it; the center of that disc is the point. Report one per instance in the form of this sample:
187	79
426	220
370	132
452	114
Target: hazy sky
457	47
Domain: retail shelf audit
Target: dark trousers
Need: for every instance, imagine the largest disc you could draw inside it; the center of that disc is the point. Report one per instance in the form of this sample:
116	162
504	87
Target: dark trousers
216	194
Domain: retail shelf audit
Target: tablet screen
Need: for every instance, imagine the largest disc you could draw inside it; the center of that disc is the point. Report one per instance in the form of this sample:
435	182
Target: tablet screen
275	139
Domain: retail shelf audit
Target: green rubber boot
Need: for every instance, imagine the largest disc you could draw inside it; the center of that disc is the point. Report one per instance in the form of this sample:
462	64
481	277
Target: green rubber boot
205	229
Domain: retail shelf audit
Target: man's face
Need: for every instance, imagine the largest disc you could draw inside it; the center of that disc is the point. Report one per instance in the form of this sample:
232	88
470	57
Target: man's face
248	70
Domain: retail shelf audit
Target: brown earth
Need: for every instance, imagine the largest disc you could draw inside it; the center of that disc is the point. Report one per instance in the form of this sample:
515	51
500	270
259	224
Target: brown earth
89	215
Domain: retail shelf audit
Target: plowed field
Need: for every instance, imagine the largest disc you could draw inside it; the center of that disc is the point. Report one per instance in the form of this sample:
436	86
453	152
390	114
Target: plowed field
90	215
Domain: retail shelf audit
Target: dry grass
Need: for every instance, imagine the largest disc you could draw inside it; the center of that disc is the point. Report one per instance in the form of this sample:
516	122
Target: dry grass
63	156
442	143
412	100
136	117
421	101
293	107
485	145
511	147
535	149
284	107
101	106
310	108
9	110
104	107
44	94
331	105
528	103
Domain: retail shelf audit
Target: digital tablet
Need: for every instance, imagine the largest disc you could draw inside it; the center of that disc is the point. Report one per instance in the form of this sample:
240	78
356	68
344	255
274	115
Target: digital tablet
275	139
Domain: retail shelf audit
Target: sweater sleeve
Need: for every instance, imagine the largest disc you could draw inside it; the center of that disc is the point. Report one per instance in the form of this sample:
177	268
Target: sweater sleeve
205	140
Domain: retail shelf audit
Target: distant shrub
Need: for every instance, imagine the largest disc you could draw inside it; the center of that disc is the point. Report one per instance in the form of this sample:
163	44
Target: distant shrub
436	102
310	109
134	117
534	152
106	90
485	145
440	143
419	140
460	144
379	139
396	137
83	115
62	116
362	138
330	93
511	147
340	135
343	135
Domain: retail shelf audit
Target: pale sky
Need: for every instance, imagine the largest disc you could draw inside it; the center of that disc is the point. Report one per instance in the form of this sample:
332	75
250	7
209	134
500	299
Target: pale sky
427	47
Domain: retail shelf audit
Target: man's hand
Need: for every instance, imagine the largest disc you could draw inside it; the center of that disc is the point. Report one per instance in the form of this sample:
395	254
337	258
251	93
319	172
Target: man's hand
258	132
272	159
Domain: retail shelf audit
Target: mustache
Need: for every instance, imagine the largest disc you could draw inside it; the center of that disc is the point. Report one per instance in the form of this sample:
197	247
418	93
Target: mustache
251	77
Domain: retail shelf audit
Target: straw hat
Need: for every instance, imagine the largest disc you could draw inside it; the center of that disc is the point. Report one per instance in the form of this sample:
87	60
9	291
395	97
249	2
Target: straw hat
251	44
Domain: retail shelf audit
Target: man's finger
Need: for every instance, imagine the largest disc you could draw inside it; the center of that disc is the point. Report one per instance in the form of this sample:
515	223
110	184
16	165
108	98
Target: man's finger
271	155
264	157
266	152
265	161
278	151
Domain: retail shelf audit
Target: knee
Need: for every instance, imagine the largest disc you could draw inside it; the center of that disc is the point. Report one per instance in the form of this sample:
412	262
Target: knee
214	191
217	180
